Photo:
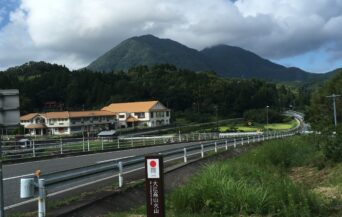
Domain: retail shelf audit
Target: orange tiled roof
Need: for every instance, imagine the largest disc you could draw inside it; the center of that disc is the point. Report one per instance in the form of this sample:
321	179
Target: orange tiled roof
50	115
67	114
28	117
132	119
130	106
90	114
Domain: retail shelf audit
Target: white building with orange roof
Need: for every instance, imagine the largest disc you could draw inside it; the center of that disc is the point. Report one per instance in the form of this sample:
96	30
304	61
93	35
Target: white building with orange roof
148	113
67	122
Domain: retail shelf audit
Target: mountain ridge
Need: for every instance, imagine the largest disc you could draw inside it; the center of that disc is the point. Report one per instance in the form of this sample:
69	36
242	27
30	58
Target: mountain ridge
225	60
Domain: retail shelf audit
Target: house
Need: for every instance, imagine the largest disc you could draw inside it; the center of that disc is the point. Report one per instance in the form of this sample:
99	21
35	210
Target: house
148	113
67	122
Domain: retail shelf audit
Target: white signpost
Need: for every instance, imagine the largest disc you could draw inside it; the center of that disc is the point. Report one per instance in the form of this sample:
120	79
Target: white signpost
9	118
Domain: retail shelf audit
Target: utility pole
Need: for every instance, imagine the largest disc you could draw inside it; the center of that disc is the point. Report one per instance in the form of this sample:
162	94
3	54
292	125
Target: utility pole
334	96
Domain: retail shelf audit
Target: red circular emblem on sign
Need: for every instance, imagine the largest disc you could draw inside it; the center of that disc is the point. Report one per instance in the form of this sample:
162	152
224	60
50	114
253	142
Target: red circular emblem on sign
153	163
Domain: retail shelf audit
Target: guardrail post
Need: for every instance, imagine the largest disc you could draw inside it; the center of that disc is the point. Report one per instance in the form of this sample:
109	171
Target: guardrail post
263	137
253	139
102	143
202	151
226	145
88	142
185	156
83	143
247	139
120	166
234	143
154	140
215	146
61	145
242	141
118	142
132	144
33	149
179	137
41	198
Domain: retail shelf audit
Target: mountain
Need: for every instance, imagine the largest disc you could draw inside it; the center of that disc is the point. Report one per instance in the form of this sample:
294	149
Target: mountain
237	62
227	61
149	50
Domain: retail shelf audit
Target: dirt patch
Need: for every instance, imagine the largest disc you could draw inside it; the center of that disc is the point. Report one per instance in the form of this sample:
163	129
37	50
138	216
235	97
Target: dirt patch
329	193
309	176
134	197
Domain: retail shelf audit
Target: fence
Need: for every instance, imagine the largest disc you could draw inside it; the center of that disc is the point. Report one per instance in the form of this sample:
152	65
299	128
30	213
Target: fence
41	183
13	150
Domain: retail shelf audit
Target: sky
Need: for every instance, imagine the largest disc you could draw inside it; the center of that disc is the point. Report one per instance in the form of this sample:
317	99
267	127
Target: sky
299	33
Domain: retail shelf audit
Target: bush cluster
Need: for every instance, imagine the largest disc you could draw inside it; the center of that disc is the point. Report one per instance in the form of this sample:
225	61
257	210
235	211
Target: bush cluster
260	116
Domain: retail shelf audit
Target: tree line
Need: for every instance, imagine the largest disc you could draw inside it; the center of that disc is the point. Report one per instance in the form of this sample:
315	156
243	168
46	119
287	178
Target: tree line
187	93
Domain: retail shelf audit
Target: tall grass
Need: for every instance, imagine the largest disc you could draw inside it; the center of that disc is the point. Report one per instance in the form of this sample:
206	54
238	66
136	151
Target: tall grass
253	184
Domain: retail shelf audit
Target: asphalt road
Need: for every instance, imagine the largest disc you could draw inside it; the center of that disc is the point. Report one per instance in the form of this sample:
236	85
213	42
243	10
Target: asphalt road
14	172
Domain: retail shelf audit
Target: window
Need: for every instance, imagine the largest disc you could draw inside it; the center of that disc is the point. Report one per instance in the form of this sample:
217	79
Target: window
159	114
167	113
121	116
151	114
140	114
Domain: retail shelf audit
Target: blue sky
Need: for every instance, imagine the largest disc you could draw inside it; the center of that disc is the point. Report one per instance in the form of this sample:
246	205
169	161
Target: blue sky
6	7
299	33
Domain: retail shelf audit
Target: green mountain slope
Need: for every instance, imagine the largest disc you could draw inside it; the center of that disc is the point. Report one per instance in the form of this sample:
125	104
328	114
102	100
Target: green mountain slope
149	50
227	61
237	62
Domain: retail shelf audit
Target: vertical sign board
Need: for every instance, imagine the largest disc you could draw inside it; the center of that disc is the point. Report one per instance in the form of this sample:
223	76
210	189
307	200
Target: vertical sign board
154	186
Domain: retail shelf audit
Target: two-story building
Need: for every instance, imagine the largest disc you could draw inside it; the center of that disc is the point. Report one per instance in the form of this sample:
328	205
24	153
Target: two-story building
148	113
67	122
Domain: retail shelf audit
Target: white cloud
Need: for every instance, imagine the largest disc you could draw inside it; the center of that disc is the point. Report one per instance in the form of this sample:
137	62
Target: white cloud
75	32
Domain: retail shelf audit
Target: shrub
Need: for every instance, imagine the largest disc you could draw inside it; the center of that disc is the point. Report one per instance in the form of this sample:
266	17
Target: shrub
260	116
253	184
332	148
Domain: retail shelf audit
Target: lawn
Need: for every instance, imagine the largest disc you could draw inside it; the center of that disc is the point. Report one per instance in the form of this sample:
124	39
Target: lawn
259	127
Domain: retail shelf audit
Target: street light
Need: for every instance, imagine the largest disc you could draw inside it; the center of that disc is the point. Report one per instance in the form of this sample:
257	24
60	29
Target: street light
334	96
267	118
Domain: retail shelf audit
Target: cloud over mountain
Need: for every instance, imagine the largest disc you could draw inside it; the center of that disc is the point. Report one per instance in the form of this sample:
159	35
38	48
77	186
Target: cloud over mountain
74	32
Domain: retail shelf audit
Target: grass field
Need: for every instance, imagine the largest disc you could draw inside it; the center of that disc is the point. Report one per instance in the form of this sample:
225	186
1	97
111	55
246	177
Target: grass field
259	127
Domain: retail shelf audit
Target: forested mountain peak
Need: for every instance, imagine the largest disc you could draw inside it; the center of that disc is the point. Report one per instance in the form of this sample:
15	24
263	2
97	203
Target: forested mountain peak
149	50
225	60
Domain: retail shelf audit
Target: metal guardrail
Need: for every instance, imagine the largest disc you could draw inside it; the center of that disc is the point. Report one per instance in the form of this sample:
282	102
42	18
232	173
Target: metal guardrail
13	150
62	177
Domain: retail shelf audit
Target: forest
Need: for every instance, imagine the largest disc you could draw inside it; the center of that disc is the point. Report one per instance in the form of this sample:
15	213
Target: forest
187	93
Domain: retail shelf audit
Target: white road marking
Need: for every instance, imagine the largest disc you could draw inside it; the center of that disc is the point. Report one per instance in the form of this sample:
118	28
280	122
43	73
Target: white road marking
16	177
115	159
78	186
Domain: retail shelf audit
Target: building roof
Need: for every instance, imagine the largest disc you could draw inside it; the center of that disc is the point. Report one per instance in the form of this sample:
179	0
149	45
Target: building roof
130	106
90	114
67	114
132	119
28	116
